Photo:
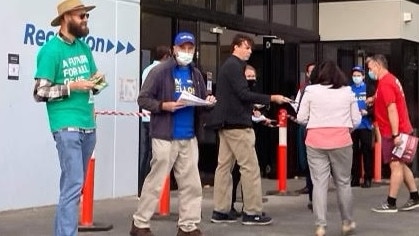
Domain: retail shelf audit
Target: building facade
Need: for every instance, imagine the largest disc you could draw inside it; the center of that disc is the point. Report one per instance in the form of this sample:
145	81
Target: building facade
285	34
350	31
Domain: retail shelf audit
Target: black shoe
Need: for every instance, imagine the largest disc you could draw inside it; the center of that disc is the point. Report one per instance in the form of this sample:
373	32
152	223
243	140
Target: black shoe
304	190
219	217
310	206
235	213
355	183
366	184
256	219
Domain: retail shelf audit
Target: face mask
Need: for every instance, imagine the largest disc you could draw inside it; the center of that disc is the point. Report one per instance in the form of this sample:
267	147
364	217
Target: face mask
184	58
357	79
372	75
251	83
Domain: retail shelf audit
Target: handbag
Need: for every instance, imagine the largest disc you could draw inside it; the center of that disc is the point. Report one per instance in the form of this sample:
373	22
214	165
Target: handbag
407	150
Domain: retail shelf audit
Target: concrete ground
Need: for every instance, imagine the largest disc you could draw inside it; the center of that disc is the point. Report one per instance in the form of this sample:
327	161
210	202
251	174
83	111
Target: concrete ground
290	214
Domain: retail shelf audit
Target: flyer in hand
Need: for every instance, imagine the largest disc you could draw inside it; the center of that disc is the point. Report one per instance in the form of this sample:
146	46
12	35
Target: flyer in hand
191	100
407	150
100	83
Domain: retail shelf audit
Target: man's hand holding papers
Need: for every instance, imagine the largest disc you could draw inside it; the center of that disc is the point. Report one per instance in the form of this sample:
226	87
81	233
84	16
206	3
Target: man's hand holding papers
190	100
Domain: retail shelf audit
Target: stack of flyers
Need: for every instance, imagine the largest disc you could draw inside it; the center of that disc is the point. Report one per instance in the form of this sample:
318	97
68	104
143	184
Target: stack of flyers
100	83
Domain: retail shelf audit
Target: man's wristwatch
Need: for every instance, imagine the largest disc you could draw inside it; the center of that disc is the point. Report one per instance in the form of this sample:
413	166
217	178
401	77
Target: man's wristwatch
393	136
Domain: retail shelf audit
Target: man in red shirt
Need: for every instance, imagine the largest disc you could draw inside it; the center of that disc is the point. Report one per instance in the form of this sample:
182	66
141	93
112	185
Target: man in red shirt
392	117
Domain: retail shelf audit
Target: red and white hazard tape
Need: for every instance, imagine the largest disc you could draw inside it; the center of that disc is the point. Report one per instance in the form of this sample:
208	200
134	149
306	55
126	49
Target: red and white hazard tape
121	113
140	114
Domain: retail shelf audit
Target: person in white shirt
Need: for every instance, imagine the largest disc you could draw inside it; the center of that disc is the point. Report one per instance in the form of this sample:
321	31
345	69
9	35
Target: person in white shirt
162	53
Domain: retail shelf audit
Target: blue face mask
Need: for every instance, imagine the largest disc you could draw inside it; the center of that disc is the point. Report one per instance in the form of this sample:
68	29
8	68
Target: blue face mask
372	75
357	79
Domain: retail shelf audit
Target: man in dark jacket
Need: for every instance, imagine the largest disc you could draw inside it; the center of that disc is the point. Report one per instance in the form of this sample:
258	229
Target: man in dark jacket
174	144
237	138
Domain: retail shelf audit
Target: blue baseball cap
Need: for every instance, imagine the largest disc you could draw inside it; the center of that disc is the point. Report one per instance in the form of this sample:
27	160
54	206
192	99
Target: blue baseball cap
358	68
184	37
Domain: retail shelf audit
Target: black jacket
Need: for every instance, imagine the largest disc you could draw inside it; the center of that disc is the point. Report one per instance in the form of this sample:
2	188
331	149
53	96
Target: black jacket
234	98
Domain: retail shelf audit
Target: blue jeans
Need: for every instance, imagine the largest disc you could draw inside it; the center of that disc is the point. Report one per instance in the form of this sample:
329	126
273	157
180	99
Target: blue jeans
74	152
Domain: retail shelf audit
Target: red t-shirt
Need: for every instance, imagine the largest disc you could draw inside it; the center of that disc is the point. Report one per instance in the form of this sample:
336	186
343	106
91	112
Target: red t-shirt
389	90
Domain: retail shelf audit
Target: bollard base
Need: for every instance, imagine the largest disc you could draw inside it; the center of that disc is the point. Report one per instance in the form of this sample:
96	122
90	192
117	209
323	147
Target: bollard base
95	227
171	216
282	193
379	183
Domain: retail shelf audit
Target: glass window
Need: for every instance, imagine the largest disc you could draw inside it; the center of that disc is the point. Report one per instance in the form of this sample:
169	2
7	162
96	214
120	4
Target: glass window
257	9
208	60
307	14
206	32
228	6
195	3
187	25
283	12
150	38
307	55
409	79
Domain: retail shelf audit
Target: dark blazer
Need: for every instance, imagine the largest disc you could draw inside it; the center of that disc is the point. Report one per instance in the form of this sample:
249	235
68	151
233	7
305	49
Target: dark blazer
234	98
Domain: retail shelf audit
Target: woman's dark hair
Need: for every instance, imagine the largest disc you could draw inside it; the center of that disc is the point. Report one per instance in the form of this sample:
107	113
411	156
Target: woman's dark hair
328	73
308	66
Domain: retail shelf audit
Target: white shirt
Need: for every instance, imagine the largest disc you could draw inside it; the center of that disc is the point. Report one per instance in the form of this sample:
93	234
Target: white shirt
146	71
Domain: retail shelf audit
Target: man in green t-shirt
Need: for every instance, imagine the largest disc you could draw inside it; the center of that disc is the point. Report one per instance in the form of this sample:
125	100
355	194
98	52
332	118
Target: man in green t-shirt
66	80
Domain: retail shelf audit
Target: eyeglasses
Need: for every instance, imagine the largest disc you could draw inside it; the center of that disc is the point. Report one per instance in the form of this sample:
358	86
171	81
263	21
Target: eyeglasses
83	15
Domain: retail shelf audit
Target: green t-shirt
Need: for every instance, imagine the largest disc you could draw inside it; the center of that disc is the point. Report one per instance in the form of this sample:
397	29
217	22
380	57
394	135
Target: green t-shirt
61	62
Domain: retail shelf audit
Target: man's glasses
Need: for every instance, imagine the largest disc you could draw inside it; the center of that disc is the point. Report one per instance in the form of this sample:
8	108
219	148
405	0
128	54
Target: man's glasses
83	15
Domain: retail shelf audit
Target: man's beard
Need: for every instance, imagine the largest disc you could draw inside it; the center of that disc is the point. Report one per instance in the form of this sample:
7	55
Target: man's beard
77	30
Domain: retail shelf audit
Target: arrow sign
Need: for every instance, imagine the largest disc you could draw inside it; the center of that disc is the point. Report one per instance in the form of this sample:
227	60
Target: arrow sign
120	47
130	48
109	46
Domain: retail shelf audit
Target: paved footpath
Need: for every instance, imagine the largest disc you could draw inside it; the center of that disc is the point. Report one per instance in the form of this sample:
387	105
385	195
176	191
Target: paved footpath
290	214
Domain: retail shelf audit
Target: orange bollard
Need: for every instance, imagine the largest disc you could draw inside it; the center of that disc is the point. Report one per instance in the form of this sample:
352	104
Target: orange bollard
282	151
164	204
377	156
86	200
86	203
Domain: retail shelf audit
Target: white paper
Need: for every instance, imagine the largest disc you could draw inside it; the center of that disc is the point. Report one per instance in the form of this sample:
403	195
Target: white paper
191	100
258	106
399	150
258	119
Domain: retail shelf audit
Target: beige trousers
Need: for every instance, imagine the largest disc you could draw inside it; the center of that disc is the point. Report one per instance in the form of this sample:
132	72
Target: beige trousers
238	144
182	155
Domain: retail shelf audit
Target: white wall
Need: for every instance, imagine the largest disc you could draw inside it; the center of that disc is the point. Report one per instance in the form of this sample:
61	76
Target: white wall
410	30
361	20
29	167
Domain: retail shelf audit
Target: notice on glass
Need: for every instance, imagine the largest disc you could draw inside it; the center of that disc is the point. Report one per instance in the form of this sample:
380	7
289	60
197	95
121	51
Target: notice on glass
13	60
191	100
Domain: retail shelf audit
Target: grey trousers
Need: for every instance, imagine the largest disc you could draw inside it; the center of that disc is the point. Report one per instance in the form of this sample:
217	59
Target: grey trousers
321	162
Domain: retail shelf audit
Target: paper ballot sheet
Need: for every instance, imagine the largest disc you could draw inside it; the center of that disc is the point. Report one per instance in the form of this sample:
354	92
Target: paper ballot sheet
191	100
